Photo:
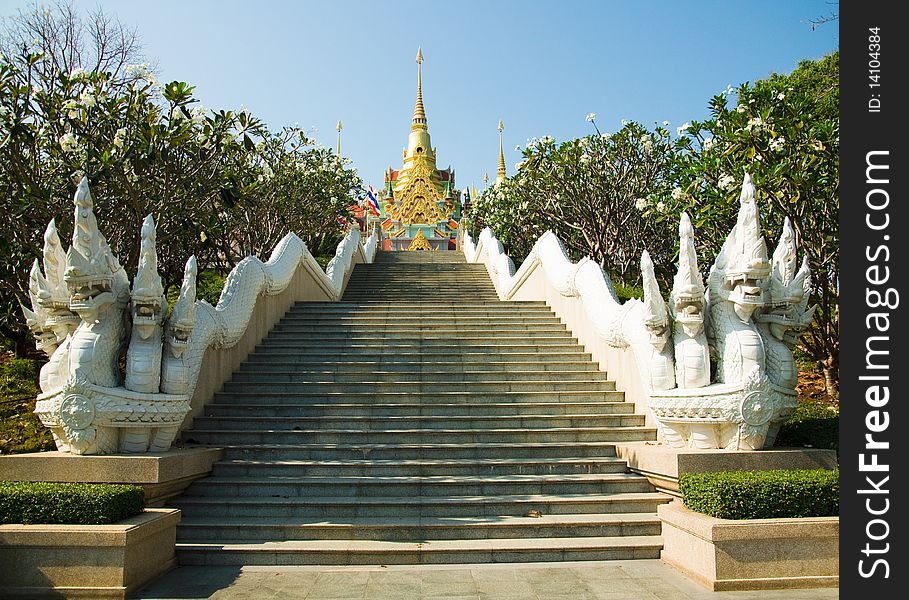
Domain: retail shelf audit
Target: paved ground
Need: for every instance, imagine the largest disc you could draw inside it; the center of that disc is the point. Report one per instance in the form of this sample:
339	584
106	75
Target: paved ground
613	580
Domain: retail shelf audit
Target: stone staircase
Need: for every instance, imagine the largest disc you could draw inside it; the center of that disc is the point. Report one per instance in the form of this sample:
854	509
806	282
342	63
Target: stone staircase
419	420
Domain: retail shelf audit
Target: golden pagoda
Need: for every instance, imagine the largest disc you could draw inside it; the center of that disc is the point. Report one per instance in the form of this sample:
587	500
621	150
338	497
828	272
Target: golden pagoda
500	173
422	208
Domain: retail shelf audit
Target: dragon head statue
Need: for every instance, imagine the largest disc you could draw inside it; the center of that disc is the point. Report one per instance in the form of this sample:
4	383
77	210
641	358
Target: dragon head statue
687	299
742	264
788	291
93	274
149	305
182	320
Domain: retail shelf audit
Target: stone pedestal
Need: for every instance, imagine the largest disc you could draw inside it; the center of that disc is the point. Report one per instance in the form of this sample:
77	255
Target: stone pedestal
87	561
163	476
751	554
662	465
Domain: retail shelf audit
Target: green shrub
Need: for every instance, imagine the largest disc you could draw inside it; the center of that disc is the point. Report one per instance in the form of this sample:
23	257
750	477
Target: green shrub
762	494
627	292
323	260
68	503
812	424
20	428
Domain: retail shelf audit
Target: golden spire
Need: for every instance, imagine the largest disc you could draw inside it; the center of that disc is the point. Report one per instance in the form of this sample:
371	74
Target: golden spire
486	179
419	113
338	159
501	172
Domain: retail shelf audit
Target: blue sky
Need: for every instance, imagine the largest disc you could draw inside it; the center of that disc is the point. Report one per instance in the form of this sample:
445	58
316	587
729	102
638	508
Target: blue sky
539	66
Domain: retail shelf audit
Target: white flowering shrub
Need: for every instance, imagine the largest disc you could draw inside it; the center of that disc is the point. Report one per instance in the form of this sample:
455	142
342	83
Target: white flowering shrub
784	131
593	192
220	184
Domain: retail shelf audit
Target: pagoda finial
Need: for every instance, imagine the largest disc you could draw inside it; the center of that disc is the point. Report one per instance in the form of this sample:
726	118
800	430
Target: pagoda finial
419	113
500	177
338	159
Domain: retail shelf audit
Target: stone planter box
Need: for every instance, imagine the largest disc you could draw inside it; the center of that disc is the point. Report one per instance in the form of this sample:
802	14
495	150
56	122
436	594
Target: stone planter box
751	554
88	561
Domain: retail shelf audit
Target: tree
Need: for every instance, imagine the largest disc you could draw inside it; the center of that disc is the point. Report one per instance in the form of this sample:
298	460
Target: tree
784	131
218	183
591	192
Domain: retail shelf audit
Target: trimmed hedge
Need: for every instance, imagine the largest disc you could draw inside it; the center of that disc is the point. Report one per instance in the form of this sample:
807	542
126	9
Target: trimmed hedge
762	494
68	503
813	425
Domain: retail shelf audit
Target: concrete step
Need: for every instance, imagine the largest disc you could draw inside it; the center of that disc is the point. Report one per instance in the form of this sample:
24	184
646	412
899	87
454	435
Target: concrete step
401	450
429	305
417	467
396	322
439	346
515	369
411	329
366	423
362	378
424	335
295	487
300	383
415	408
344	552
265	529
410	355
401	309
340	507
428	398
440	436
418	420
414	360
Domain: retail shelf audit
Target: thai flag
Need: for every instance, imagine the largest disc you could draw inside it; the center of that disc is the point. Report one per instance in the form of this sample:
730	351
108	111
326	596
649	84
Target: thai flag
373	202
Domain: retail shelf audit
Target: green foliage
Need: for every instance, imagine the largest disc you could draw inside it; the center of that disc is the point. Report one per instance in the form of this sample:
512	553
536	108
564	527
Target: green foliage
592	192
611	196
220	184
762	494
323	260
627	292
784	131
68	503
812	425
208	286
20	428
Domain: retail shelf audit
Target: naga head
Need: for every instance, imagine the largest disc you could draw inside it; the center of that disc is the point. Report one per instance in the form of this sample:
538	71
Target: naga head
743	261
687	296
656	316
148	301
182	320
93	274
52	292
786	312
50	319
36	317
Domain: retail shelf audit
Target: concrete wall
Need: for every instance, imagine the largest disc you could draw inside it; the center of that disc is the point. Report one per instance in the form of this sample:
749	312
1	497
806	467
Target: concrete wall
309	284
89	561
619	363
751	554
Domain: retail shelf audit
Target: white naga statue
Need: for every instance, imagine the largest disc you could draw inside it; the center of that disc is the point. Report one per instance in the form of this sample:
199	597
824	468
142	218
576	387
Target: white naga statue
716	363
88	321
748	321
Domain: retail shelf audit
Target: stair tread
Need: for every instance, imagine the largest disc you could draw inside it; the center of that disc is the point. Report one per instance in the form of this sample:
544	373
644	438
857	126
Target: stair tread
526	544
429	479
380	522
496	374
615	497
421	462
372	446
